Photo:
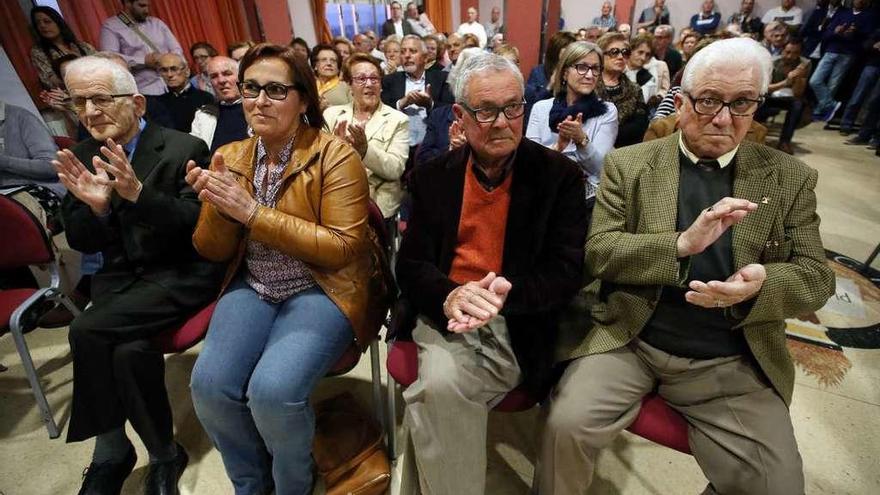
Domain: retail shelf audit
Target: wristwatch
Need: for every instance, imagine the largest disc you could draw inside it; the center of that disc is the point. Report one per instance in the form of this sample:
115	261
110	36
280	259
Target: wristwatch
583	142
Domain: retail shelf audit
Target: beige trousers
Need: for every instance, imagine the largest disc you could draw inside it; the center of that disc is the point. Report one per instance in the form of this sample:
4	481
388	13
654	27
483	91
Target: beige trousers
739	430
461	377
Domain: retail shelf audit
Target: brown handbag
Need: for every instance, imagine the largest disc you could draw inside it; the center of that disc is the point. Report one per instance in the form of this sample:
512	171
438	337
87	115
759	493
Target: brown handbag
348	448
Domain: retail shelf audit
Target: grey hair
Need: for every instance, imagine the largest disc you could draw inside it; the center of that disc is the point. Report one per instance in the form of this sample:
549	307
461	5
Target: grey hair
571	54
734	52
481	63
418	39
90	66
457	68
665	29
226	62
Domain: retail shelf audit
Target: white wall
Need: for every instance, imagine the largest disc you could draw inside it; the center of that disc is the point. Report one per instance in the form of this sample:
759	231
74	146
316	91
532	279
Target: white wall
456	14
303	21
12	91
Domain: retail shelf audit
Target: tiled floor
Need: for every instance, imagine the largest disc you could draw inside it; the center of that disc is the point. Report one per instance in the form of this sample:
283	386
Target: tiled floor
837	427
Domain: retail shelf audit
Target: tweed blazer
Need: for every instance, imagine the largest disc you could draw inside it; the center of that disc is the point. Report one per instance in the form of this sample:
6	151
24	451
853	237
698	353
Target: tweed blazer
631	251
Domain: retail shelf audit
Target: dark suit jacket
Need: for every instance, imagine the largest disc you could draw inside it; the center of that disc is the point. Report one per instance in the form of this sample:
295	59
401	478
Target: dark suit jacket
543	246
394	87
388	28
152	238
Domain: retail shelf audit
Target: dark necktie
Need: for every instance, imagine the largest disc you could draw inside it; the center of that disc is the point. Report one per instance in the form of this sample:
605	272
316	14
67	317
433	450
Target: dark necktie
708	165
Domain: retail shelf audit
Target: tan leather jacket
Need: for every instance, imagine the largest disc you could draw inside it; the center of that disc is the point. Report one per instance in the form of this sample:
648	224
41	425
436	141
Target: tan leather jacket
320	218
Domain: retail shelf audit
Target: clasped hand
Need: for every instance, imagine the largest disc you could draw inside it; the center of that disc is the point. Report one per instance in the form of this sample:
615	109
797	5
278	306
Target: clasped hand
354	134
94	189
473	304
418	98
219	187
570	129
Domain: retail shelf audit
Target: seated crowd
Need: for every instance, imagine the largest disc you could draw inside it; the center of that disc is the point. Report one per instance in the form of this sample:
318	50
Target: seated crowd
627	173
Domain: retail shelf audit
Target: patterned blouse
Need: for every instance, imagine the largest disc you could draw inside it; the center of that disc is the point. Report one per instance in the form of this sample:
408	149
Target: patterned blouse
43	63
274	275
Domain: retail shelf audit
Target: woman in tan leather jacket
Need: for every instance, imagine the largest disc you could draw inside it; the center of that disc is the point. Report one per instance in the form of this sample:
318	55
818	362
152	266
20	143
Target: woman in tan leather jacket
287	209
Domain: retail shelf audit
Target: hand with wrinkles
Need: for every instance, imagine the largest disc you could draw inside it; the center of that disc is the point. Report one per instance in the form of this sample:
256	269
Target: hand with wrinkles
93	189
219	187
741	286
473	304
711	224
125	182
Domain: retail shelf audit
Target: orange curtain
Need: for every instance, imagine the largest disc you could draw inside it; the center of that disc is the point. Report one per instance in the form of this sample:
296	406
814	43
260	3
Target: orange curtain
322	27
440	13
17	42
86	16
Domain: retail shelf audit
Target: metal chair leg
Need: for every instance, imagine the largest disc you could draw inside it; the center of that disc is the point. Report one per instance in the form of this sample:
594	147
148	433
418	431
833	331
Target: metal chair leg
377	381
31	372
391	422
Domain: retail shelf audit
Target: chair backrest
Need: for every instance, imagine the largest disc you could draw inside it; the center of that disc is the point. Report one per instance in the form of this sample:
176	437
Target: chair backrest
64	142
377	221
24	240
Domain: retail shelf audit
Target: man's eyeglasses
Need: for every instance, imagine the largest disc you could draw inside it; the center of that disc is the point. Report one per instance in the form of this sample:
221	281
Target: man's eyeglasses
364	80
100	101
488	115
740	107
614	52
274	90
174	69
583	68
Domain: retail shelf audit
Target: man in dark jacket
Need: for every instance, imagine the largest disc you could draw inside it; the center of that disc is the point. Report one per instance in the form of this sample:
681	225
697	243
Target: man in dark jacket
128	200
493	252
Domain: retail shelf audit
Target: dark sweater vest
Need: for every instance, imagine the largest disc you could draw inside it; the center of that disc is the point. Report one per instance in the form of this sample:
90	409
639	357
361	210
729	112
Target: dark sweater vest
231	126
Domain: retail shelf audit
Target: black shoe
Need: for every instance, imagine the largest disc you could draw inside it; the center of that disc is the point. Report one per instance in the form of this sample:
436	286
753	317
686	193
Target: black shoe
106	478
162	476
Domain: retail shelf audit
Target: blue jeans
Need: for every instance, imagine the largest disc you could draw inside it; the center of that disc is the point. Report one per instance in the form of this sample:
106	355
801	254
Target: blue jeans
827	78
866	88
871	125
252	381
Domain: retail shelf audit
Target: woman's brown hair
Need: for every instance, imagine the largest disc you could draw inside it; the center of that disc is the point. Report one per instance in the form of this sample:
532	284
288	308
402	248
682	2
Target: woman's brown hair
303	78
359	58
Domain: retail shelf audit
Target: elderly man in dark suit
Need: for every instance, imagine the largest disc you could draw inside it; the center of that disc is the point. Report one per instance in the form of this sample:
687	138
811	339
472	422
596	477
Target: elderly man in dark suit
702	243
493	251
128	199
396	25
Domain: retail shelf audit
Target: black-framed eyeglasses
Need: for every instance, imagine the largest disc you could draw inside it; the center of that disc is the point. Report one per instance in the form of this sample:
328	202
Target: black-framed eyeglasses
488	115
274	90
172	69
99	100
740	107
583	68
626	52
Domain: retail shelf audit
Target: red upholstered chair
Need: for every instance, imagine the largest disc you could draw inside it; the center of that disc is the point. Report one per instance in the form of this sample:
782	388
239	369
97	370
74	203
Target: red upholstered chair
187	335
661	424
64	142
25	243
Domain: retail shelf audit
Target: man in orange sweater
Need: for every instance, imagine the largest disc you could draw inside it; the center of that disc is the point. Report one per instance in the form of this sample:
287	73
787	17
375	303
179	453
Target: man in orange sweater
493	251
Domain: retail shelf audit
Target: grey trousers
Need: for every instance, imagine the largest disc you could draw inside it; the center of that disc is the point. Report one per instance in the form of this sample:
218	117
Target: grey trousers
461	377
739	429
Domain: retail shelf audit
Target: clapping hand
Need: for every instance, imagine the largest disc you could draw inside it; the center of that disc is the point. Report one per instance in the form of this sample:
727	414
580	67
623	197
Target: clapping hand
354	134
741	286
457	138
124	181
570	129
219	187
711	224
473	304
92	189
418	98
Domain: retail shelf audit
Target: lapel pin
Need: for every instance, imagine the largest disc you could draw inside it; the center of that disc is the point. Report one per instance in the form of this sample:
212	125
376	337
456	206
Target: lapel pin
765	200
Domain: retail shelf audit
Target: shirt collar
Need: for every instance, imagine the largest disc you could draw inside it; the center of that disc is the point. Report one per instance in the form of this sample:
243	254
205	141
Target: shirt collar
263	154
419	80
130	146
723	160
229	104
182	91
484	179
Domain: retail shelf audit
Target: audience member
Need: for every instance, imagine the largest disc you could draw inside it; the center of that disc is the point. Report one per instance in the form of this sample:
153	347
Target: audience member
473	26
201	52
362	44
689	45
470	40
182	99
616	88
509	52
26	151
375	52
841	44
301	48
606	19
237	49
681	36
396	25
590	33
746	19
518	209
326	66
538	85
495	24
141	40
128	200
433	54
412	18
815	27
786	91
663	49
654	16
305	276
223	122
625	29
425	21
391	49
787	13
775	37
650	74
707	20
575	122
866	94
343	48
454	46
687	306
54	40
379	133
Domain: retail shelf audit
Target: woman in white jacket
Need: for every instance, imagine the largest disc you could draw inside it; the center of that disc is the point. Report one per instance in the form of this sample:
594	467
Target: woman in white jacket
379	133
576	122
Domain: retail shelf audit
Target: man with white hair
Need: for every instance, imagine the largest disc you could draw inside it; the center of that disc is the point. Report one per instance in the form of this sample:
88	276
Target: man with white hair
127	198
473	26
182	98
223	122
606	21
492	253
702	244
496	24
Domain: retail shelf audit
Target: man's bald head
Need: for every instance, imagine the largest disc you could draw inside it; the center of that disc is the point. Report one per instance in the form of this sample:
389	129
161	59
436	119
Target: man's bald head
223	72
174	71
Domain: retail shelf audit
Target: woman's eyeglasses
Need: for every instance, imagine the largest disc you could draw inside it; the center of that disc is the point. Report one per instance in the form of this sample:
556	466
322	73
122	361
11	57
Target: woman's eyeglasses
274	90
583	68
364	80
614	52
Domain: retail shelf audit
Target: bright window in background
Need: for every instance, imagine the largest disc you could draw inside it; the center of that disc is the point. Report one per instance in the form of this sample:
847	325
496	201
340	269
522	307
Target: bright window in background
350	17
48	3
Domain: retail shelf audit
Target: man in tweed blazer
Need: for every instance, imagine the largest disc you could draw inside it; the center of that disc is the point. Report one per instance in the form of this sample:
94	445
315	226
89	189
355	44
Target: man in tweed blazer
702	244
